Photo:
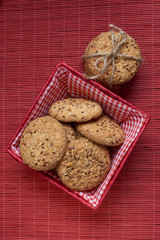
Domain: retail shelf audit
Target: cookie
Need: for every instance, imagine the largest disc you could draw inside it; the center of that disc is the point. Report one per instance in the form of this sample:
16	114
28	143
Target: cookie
43	143
125	68
70	132
85	165
75	110
104	131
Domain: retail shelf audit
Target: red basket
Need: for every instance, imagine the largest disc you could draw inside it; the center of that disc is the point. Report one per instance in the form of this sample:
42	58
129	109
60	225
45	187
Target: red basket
65	80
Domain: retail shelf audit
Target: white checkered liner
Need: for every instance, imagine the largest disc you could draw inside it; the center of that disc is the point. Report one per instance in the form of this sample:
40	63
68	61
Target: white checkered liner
64	83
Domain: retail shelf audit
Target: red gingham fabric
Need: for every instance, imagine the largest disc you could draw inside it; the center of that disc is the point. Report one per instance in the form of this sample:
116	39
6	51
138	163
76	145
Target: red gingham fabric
62	83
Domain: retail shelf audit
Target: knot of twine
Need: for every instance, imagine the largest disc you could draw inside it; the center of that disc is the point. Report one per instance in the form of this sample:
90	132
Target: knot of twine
109	58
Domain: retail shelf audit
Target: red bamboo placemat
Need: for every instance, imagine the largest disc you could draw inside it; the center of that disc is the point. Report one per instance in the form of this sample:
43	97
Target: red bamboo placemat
34	37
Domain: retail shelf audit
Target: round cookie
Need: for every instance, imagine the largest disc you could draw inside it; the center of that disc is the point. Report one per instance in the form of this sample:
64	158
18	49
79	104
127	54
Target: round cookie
85	165
104	131
75	110
70	132
125	67
43	143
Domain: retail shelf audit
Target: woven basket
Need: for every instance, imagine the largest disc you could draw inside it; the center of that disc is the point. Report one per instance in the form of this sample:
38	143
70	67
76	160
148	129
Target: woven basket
65	80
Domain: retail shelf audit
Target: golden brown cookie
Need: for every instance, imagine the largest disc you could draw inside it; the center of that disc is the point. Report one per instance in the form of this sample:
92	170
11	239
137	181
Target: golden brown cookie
70	132
43	143
104	131
85	165
125	67
75	110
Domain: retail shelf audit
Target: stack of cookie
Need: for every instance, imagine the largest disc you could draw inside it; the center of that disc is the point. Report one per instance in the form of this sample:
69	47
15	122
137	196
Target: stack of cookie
112	58
72	140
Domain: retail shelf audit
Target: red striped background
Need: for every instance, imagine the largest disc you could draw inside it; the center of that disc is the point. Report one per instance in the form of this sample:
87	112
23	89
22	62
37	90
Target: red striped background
34	37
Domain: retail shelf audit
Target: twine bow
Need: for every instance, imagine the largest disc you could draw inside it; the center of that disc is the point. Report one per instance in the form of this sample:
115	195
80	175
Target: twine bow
109	58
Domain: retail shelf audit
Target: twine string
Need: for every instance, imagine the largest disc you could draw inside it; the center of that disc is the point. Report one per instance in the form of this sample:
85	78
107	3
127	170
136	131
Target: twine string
109	58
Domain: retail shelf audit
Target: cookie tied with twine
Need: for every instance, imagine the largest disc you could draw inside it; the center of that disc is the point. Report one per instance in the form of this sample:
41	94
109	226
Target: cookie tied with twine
112	58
